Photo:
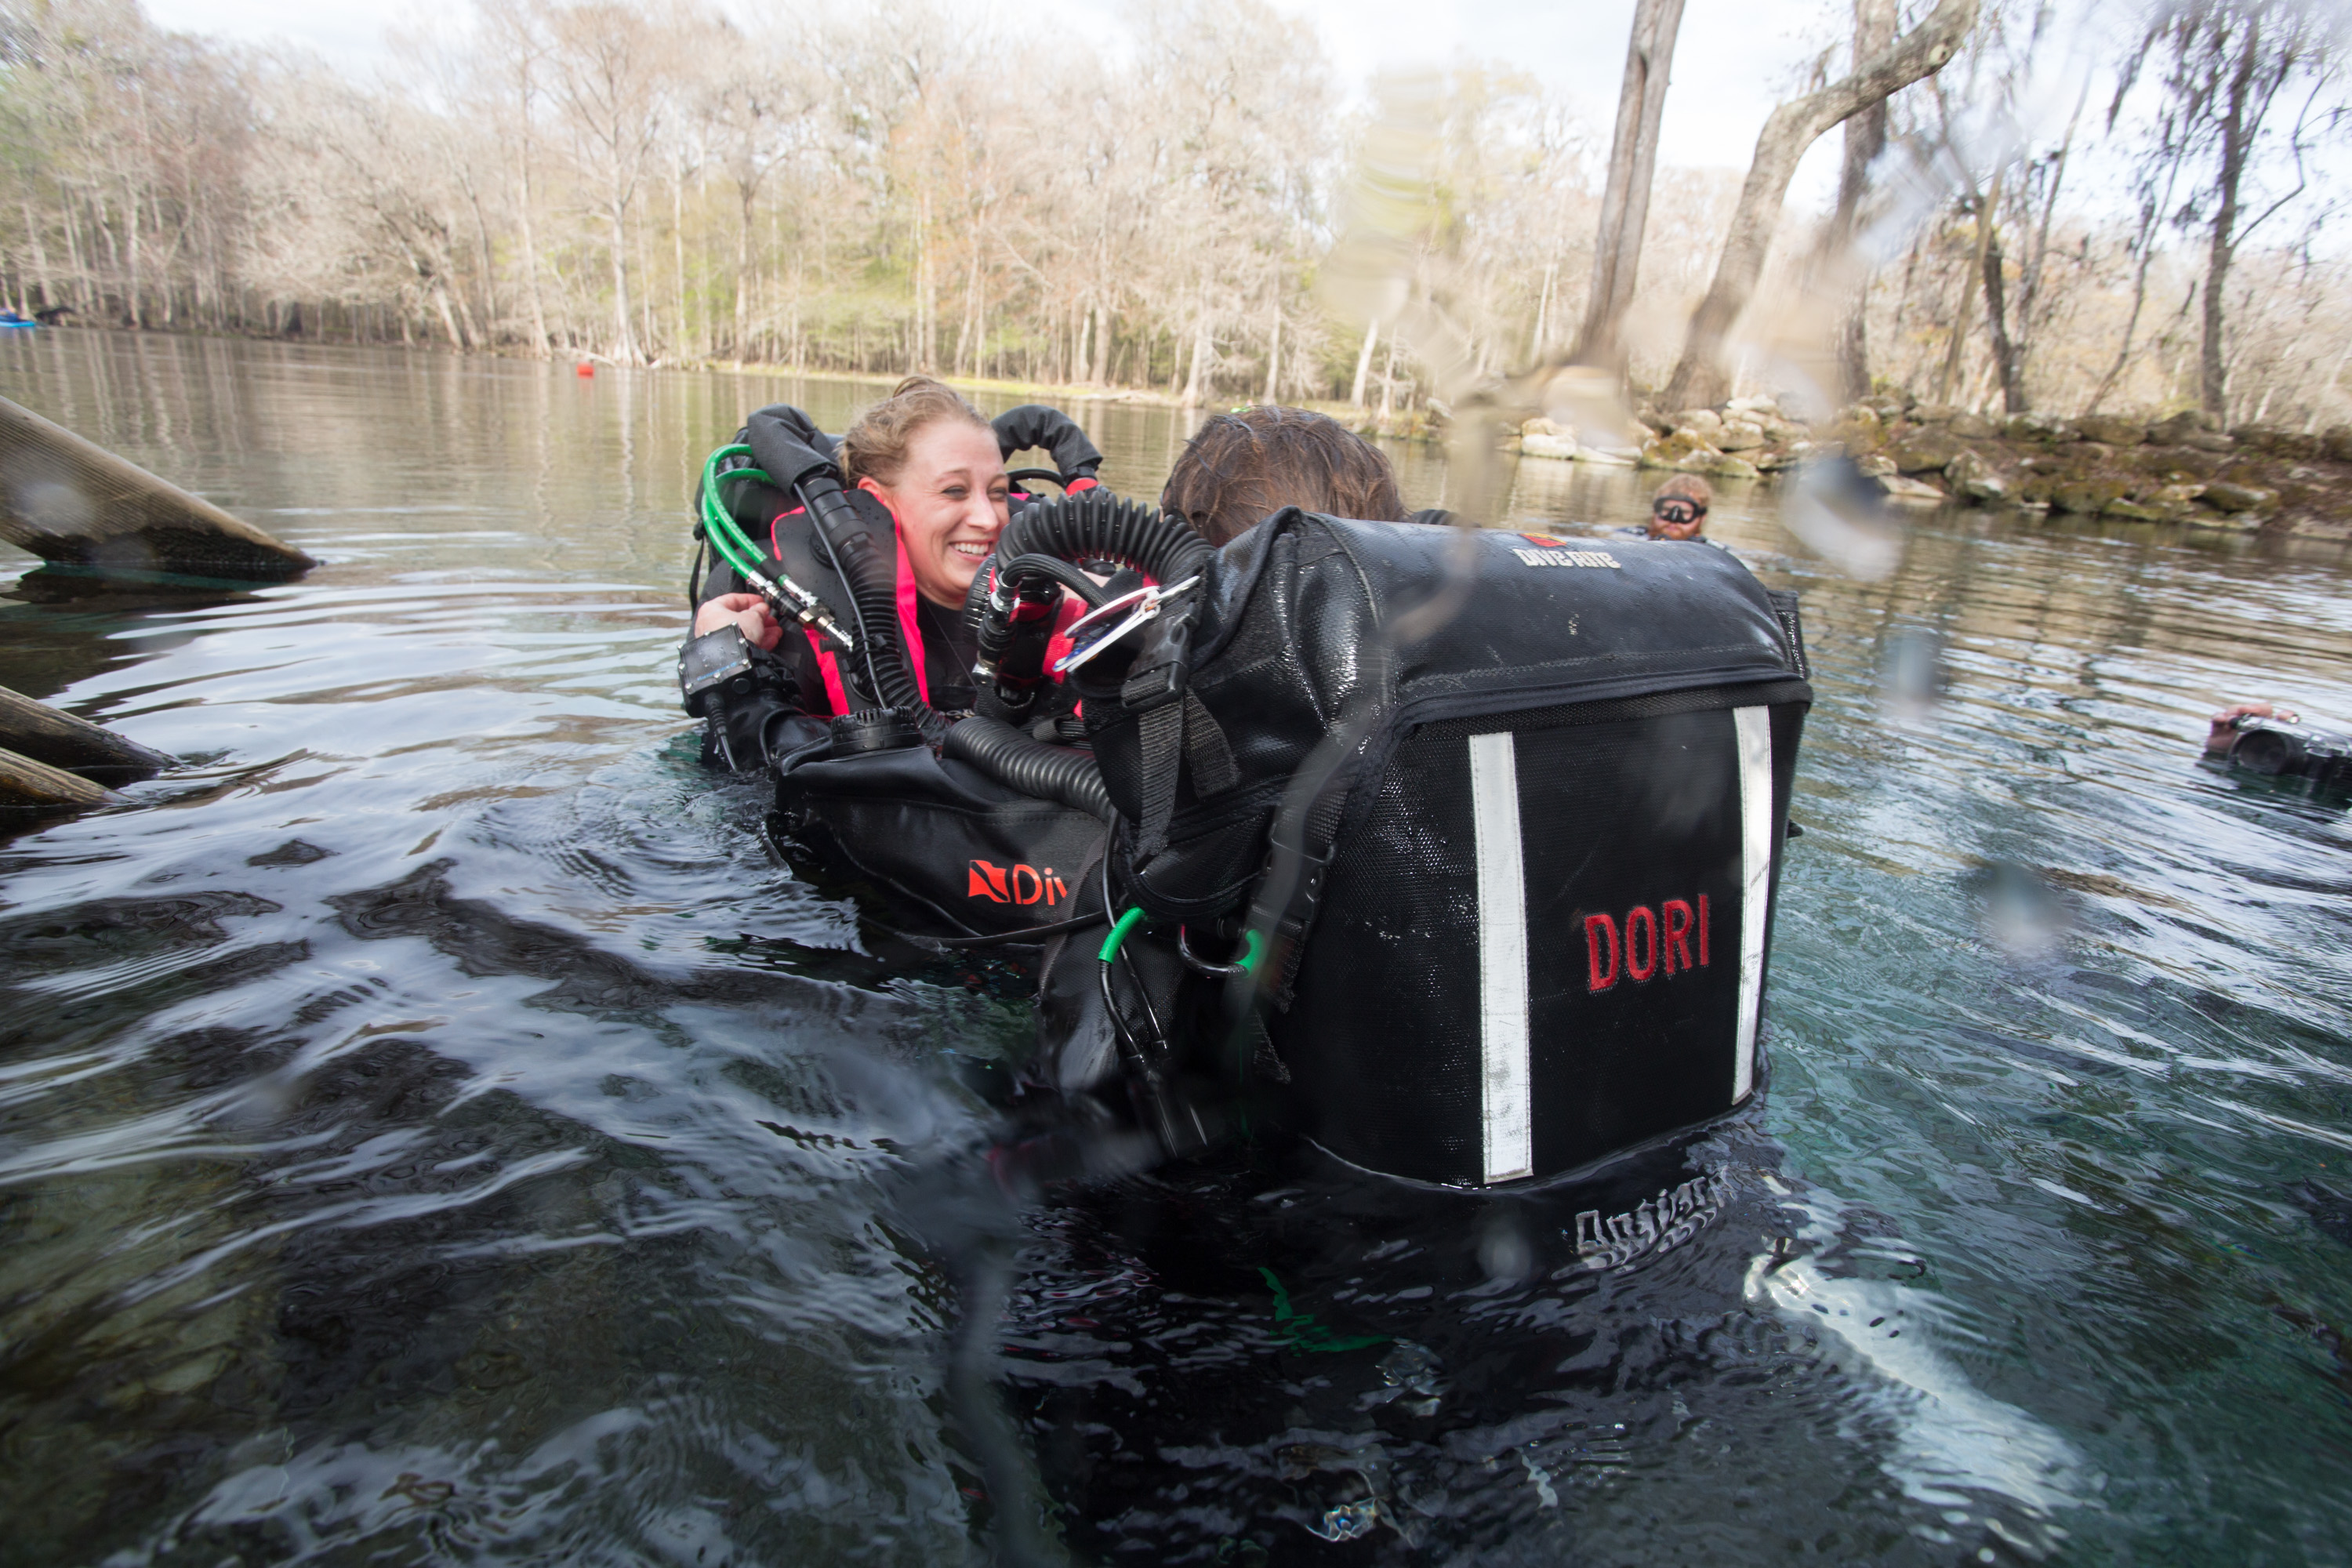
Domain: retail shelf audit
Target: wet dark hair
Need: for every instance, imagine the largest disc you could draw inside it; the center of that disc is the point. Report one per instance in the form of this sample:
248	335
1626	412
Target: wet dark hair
1243	468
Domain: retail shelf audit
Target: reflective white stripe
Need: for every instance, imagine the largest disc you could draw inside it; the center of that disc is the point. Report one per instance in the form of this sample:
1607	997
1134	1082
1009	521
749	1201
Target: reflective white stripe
1504	1109
1754	728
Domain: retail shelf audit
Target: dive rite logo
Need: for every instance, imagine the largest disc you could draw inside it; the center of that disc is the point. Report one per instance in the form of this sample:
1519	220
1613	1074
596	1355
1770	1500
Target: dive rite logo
1015	885
1550	552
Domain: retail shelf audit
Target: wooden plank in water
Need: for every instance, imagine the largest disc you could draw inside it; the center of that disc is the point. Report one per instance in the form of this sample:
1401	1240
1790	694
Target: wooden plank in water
49	735
73	502
24	782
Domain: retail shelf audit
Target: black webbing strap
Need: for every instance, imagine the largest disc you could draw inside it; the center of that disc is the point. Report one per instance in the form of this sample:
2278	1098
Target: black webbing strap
1160	735
1287	927
1206	751
1182	732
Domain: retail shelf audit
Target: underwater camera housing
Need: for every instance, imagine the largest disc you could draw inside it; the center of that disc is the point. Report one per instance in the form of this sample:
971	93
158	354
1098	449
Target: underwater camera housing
714	662
2275	749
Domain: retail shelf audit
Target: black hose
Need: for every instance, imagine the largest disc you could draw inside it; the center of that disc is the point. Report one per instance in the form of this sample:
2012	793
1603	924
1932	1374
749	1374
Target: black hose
1030	766
1060	571
874	590
1094	525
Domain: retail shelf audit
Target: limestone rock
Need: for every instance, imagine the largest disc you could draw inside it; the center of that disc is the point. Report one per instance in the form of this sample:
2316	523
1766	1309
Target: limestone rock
1681	451
1728	467
2130	511
1704	422
1537	444
1972	427
1912	492
1925	451
1934	413
1751	406
1986	490
1539	426
1781	432
2276	441
2239	498
2086	496
1877	466
2336	442
2040	427
1740	436
2222	522
2111	431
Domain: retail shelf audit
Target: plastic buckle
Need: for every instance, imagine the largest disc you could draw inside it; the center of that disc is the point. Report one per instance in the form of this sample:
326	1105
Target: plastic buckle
1144	602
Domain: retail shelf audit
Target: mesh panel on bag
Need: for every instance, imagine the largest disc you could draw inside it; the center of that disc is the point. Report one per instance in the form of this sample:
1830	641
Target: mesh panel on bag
1627	827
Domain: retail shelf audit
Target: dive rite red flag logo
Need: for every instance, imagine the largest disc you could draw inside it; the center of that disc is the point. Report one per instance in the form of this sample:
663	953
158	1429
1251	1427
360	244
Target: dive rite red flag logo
1016	884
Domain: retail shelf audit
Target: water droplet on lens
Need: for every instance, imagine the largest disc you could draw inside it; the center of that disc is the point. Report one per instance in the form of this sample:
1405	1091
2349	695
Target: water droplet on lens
1504	1252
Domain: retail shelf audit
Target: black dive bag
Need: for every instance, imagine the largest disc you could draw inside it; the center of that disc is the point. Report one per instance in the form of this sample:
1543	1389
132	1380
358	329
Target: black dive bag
1457	846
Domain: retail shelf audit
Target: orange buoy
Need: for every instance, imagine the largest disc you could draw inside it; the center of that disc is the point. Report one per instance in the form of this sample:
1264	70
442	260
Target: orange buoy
584	369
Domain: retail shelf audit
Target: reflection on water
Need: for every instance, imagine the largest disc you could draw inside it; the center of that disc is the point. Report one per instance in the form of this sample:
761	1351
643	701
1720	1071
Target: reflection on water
431	1127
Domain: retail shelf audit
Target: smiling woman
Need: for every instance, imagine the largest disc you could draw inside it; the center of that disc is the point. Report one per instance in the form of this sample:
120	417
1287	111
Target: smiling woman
927	477
933	460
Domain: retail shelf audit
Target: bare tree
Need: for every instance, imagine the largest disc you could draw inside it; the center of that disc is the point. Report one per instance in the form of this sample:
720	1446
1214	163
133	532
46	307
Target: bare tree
1632	166
1791	128
1865	139
609	67
2223	66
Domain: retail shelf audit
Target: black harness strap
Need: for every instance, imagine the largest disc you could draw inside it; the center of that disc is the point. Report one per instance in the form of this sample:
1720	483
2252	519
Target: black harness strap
1206	751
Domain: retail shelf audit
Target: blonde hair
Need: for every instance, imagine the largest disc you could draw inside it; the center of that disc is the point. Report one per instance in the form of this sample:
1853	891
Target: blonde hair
875	446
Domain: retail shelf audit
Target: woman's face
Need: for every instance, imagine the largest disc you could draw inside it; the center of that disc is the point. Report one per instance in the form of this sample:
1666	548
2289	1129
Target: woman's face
949	501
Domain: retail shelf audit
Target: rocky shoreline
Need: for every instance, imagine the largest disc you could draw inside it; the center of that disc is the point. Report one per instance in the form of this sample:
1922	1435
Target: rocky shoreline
2181	471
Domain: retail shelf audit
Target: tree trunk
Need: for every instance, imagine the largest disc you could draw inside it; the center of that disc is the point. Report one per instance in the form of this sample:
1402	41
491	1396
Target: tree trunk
743	279
1865	139
539	346
625	344
1196	386
441	308
677	249
1543	309
1273	354
1100	375
1698	378
1971	280
2213	372
40	258
1364	363
1632	166
2008	352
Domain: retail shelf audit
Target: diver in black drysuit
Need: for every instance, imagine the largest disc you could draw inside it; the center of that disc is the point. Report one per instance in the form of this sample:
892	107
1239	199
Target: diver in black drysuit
782	698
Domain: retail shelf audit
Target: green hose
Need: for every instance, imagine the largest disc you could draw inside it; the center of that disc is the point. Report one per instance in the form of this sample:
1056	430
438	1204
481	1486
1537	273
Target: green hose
788	598
1118	937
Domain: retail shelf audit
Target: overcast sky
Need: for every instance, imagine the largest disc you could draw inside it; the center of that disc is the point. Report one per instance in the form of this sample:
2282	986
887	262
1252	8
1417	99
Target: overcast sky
1733	60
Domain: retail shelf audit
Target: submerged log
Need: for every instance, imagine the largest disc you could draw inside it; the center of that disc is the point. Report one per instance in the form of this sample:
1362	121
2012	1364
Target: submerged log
24	782
74	503
58	739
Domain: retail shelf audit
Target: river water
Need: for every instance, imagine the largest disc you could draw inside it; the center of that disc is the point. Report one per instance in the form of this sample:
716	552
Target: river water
432	1128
